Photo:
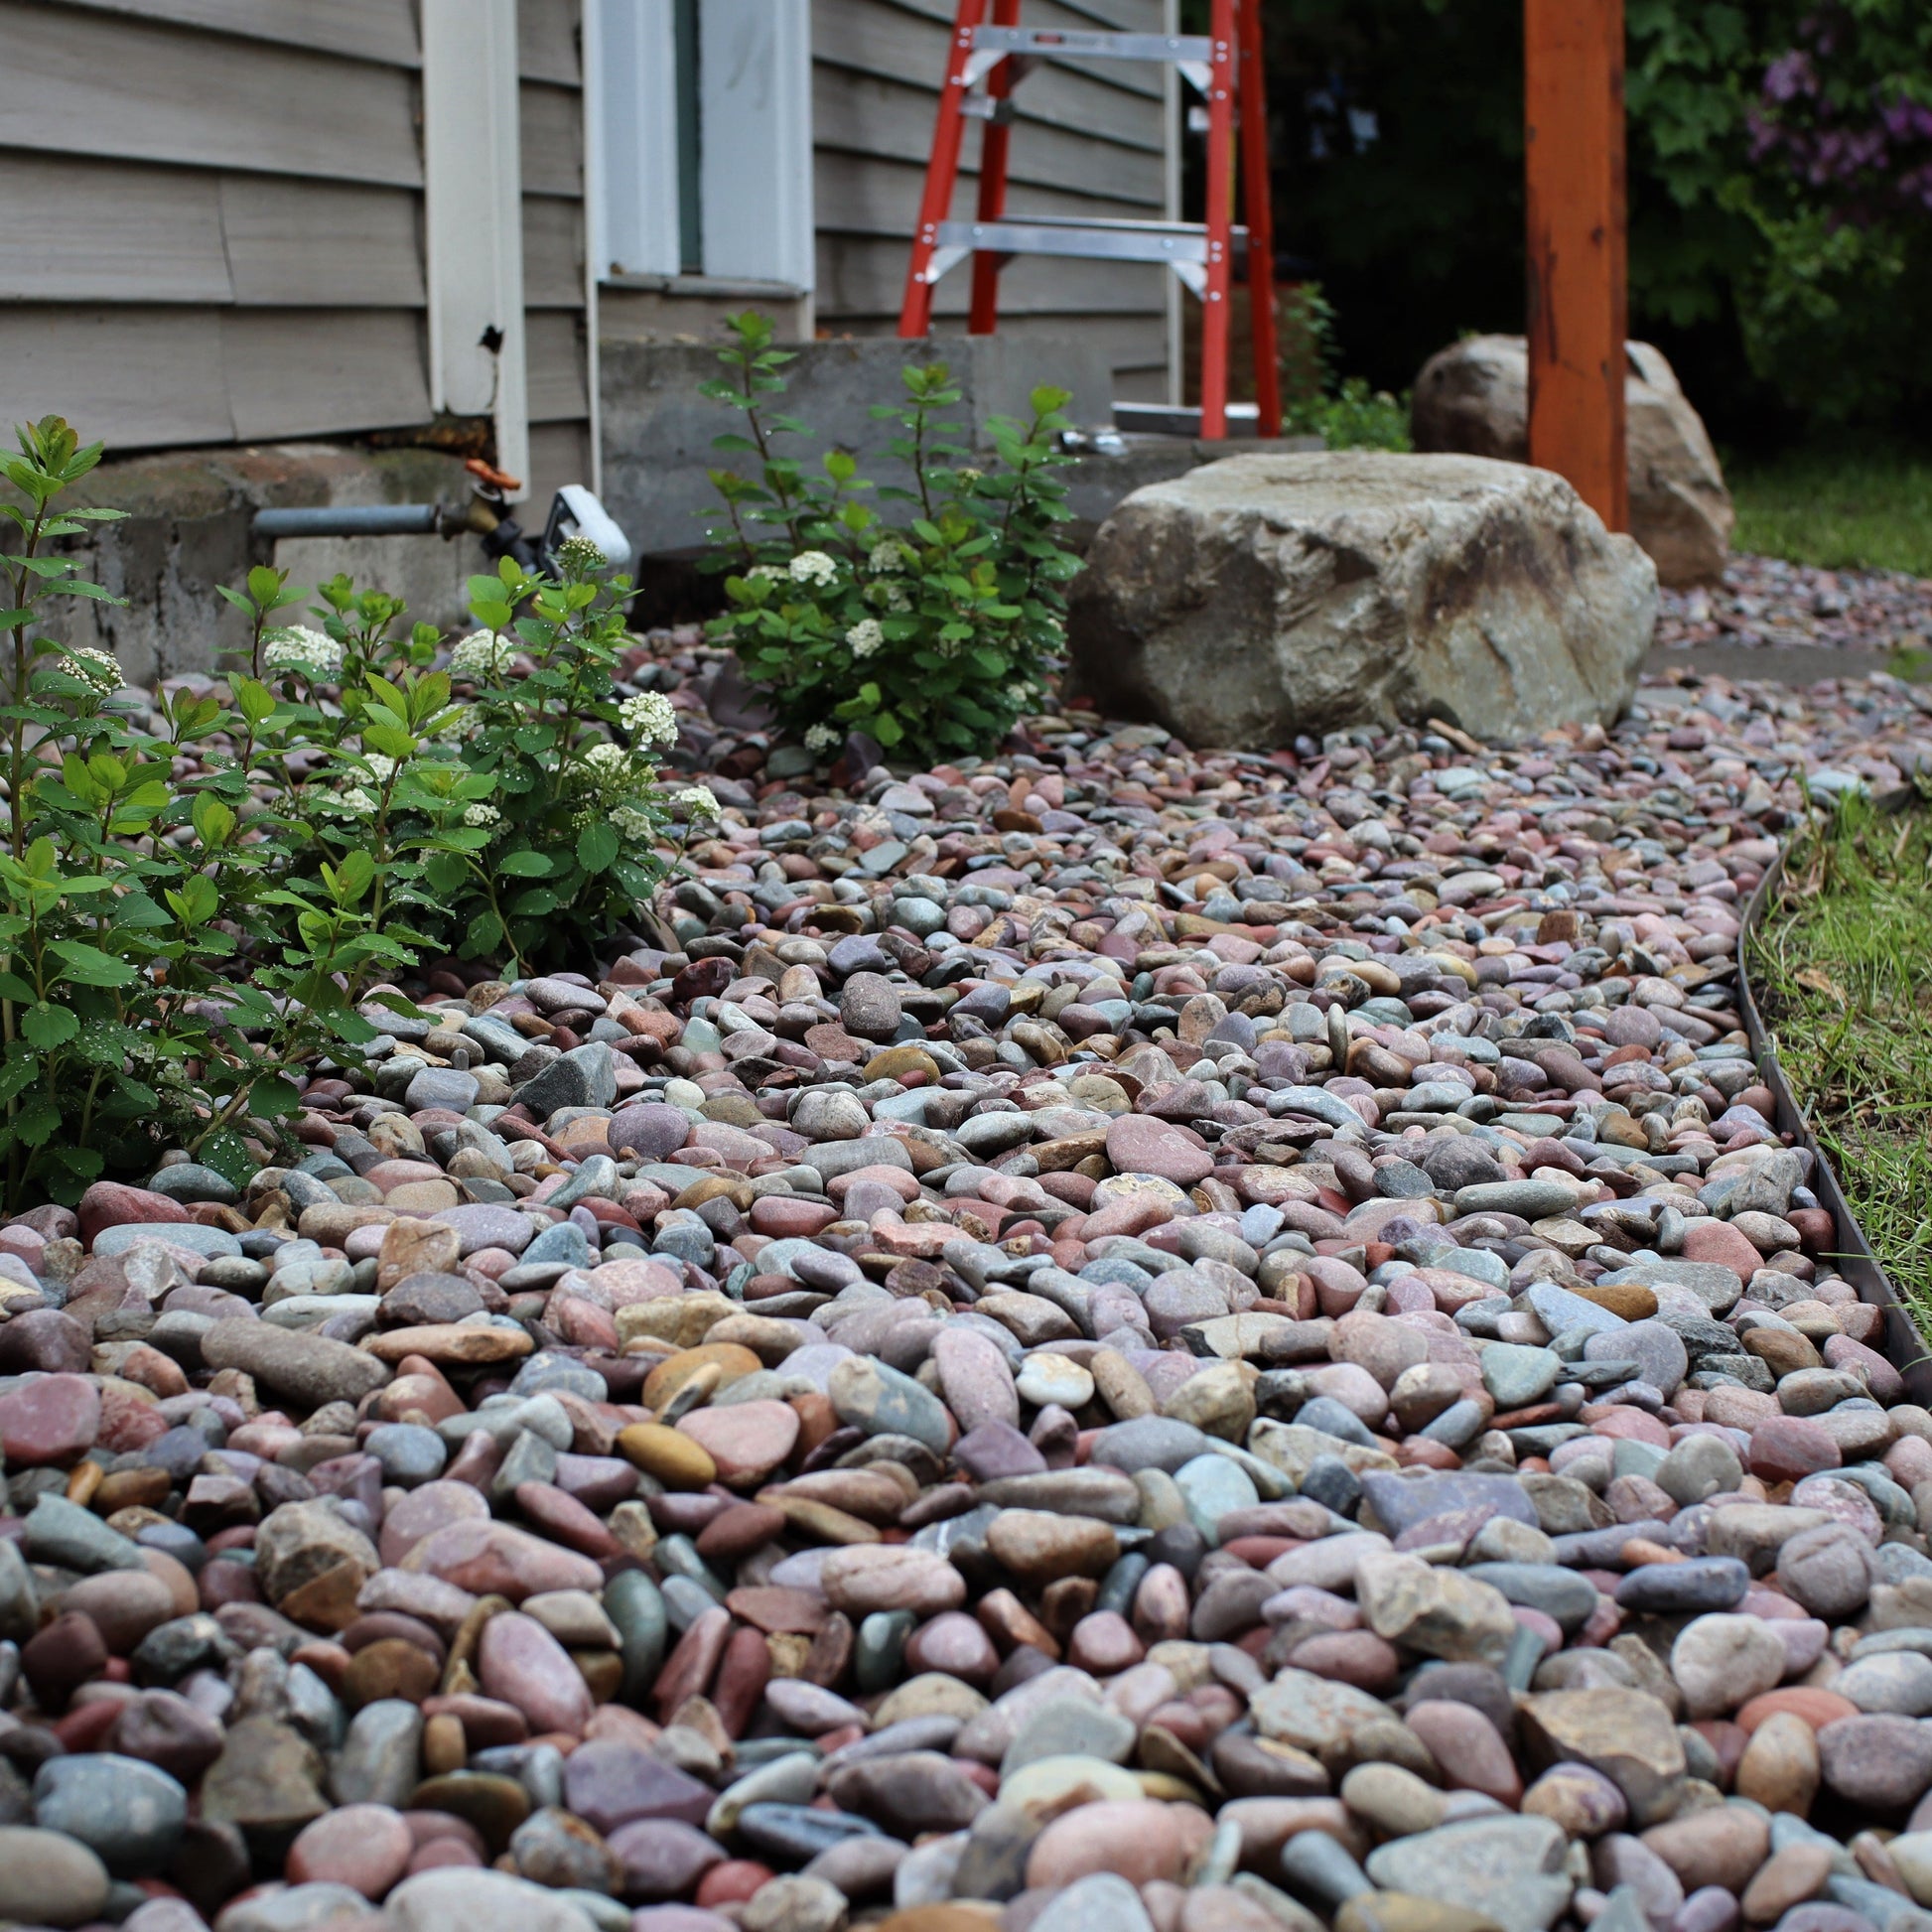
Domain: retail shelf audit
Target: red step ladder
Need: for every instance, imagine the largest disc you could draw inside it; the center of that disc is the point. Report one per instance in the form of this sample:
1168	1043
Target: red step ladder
990	57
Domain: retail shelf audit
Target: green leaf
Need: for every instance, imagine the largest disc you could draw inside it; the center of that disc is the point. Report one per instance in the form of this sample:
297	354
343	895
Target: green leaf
197	903
272	1097
534	904
47	1027
523	864
256	700
212	821
88	966
598	845
37	1121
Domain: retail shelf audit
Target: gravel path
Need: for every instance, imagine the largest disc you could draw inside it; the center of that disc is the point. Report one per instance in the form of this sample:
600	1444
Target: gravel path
1117	1340
1766	602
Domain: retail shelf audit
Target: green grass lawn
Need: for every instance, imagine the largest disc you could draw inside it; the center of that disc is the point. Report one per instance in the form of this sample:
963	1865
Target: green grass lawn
1843	973
1842	507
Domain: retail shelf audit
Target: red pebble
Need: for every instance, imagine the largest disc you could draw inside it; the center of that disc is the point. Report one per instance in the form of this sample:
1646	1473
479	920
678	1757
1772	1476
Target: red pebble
733	1883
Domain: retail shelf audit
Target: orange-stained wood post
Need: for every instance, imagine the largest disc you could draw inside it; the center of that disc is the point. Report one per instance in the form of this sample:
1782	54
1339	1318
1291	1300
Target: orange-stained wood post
1572	103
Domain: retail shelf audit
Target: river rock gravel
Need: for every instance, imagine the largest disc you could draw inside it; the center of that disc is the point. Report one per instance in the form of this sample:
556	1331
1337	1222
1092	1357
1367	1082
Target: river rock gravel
1769	603
1111	1339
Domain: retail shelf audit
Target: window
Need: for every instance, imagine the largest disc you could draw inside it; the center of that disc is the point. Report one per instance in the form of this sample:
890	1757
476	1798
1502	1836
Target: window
704	132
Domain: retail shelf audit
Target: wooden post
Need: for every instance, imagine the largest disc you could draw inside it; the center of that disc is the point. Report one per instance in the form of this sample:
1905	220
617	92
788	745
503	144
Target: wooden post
1572	100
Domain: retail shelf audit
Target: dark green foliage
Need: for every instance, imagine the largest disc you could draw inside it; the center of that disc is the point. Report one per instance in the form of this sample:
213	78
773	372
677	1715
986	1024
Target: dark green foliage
1780	199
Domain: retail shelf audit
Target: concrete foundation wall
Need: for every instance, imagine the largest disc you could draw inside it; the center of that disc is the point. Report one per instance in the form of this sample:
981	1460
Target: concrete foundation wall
658	430
188	529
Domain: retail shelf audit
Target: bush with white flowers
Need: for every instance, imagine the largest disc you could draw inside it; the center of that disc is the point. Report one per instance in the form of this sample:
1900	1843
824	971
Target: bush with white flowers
933	633
199	890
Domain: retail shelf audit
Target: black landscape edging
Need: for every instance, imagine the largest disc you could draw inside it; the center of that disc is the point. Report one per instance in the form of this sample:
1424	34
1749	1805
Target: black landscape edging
1855	1260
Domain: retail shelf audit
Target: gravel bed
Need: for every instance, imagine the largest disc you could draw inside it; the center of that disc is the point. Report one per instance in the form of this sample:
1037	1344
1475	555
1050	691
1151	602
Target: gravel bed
1767	601
1111	1339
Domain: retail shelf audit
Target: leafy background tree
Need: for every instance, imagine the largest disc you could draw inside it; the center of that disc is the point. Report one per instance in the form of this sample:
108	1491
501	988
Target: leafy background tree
1780	183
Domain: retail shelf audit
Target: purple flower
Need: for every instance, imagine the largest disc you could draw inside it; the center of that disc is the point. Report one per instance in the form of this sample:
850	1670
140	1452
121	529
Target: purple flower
1790	75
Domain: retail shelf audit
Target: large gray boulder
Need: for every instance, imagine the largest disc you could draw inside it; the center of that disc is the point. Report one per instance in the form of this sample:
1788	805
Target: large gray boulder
1265	596
1472	399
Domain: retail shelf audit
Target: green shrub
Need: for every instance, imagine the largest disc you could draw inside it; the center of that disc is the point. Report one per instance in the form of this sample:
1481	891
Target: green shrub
1346	413
932	632
174	948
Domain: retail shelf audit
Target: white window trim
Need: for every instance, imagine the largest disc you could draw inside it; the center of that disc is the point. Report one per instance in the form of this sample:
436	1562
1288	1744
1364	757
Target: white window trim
472	218
757	174
756	185
631	98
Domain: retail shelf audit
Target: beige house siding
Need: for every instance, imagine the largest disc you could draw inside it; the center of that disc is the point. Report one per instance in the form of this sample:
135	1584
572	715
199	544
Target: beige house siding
1087	138
211	222
210	217
549	37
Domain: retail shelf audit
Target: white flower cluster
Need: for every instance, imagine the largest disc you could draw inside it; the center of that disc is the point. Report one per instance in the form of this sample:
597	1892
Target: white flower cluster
577	555
865	637
382	768
771	572
603	758
821	738
93	667
484	815
296	648
356	802
812	567
696	802
632	820
648	718
1020	696
888	557
892	596
481	653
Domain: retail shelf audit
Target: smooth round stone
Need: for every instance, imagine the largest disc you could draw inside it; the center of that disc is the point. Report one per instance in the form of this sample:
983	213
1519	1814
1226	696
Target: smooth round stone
954	1643
1787	1448
520	1663
1394	1801
648	1131
1046	1378
1213	1487
49	1420
554	1848
974	1378
879	1400
1720	1661
129	1813
1140	1144
745	1440
364	1846
796	1903
48	1878
1046	1784
1517	1376
1881	1762
1780	1766
1698	1466
438	1900
1693	1586
409	1453
1899	1683
1139	1840
1579	1798
1656	1347
1829	1570
677	1460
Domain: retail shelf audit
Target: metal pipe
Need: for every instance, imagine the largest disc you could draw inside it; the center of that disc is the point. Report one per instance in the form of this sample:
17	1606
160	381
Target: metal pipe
356	521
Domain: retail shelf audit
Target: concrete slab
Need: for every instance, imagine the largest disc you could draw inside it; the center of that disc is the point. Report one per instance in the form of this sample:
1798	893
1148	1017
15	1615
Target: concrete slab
1769	663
